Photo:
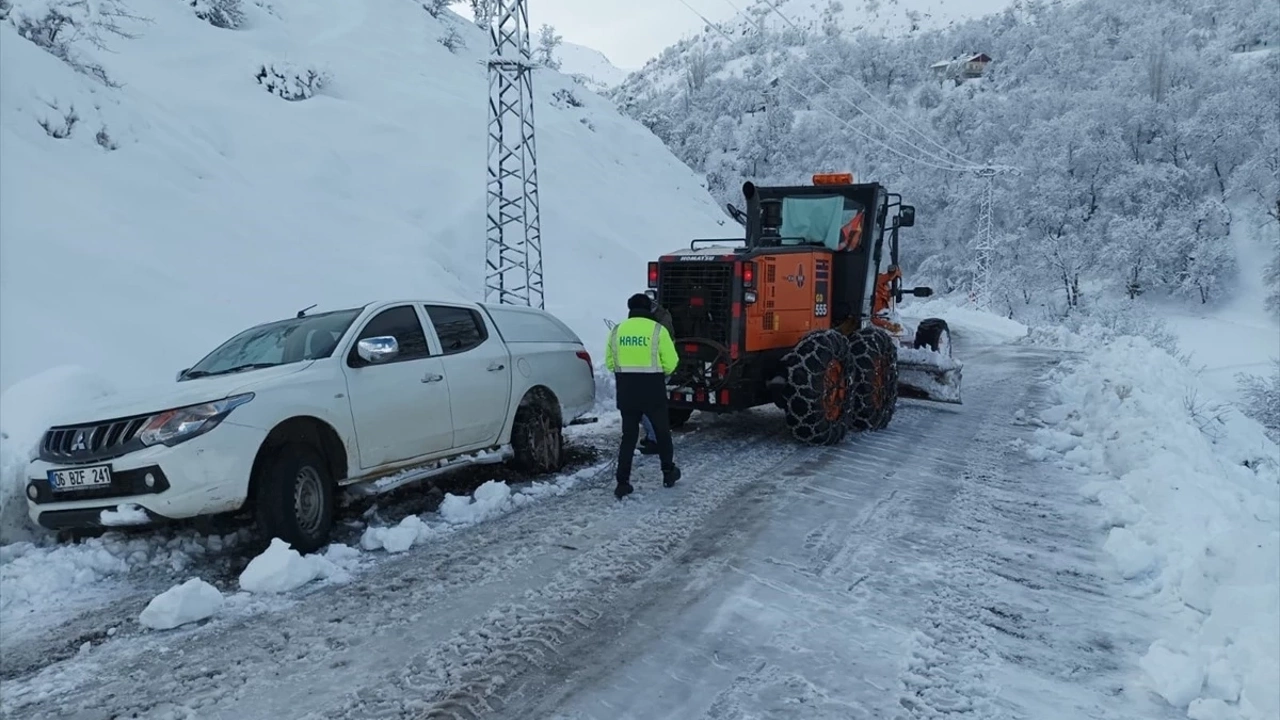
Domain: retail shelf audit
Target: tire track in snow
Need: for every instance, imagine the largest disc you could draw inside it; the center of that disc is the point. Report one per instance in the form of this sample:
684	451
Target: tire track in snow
326	631
472	674
1016	610
939	548
857	485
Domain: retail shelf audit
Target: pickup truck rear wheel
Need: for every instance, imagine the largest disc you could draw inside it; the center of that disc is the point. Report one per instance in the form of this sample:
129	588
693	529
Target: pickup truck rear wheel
537	440
295	498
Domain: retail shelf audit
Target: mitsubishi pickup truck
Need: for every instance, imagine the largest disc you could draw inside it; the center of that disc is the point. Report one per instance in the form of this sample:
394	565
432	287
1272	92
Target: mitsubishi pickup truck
282	417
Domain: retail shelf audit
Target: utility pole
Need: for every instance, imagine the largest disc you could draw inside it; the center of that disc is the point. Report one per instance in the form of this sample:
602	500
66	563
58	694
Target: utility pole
513	251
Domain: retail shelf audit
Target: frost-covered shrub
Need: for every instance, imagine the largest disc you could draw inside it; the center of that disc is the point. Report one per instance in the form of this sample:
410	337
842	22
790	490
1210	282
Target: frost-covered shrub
452	40
286	81
58	122
225	14
1261	399
104	140
564	98
1106	319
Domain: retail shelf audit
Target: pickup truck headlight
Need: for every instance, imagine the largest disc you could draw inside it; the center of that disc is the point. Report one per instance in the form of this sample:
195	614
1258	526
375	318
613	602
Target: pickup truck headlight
176	426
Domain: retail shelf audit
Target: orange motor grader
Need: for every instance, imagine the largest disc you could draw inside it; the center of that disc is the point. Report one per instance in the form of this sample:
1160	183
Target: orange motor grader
801	312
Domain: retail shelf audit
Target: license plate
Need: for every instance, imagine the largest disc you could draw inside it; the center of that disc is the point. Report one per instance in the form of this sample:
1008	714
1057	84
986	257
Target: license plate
80	478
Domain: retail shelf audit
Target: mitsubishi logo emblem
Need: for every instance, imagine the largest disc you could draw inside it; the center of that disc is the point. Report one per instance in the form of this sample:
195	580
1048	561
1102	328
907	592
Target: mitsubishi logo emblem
798	277
78	443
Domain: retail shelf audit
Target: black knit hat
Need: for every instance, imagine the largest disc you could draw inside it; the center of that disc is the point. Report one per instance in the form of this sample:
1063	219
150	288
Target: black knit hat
639	301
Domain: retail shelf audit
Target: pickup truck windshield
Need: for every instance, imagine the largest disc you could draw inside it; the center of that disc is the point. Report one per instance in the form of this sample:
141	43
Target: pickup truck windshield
277	343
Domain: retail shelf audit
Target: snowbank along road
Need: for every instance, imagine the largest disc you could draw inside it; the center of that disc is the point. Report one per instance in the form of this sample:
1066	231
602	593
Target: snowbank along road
924	571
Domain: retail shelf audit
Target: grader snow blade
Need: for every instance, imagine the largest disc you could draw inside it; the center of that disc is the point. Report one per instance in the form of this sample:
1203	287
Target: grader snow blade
924	374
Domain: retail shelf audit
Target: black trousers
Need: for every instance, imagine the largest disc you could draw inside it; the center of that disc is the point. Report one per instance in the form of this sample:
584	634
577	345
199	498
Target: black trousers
631	433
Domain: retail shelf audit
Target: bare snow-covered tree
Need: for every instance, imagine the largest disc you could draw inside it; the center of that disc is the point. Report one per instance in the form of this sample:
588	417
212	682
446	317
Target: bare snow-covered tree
483	11
830	18
696	70
61	27
548	42
1271	277
435	8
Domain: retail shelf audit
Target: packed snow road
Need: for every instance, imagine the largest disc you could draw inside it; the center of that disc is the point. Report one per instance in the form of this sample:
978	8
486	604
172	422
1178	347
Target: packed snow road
926	570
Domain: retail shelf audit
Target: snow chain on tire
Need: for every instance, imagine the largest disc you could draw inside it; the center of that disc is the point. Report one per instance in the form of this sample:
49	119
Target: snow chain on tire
816	394
874	393
537	440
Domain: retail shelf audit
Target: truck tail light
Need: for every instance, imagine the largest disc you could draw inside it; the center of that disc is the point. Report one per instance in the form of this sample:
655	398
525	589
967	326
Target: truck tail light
748	274
653	274
585	357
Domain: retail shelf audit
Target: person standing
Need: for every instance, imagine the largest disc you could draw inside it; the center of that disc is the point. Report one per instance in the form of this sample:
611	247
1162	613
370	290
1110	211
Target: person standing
640	354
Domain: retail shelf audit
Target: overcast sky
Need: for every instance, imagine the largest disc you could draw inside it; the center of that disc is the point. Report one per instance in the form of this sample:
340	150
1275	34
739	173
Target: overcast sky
628	32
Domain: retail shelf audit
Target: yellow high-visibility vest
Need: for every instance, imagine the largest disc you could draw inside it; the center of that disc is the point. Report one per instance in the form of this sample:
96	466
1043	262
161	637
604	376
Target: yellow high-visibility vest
640	345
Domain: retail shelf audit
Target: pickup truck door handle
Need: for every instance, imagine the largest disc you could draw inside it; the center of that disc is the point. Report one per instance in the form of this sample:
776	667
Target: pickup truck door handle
494	367
432	377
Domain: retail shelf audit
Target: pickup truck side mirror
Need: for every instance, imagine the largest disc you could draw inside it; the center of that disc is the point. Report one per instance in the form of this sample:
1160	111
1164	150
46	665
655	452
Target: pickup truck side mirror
378	349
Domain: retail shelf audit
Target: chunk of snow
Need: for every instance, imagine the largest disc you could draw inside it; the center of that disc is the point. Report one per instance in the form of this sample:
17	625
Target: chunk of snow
1193	504
491	500
124	515
192	601
1177	678
281	569
967	322
927	358
35	577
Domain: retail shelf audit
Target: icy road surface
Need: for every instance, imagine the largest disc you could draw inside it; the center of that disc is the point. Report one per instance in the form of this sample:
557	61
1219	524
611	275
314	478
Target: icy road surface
924	571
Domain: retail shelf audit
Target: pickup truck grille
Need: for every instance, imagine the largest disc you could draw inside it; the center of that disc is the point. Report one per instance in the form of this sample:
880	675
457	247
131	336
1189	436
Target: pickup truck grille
92	442
697	294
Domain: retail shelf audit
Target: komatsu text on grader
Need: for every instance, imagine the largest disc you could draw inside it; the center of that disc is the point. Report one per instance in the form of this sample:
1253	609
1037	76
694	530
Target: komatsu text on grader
801	315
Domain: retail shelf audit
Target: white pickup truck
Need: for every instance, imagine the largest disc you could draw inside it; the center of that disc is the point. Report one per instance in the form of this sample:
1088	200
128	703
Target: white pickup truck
281	416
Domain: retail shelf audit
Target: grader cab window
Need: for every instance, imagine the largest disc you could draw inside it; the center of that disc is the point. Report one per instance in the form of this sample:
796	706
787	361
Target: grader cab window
832	221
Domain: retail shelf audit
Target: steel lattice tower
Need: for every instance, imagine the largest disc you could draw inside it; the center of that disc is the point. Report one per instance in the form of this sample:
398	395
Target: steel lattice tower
513	252
980	294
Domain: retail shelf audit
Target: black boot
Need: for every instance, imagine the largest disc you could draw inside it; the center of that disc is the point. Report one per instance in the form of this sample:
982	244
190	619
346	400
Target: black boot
623	489
670	476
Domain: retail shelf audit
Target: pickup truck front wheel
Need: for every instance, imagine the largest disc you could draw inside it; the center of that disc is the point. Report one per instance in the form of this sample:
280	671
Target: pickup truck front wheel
295	498
537	440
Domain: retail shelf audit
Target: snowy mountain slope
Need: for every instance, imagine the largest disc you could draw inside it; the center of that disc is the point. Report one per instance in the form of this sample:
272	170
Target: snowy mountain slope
806	21
220	205
591	65
887	17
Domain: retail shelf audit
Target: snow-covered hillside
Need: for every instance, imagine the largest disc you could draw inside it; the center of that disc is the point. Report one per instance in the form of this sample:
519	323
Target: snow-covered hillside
595	70
886	17
148	219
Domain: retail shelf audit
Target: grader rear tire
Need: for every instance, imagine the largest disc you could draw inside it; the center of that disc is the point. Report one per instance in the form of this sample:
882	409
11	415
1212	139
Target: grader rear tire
816	394
874	393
